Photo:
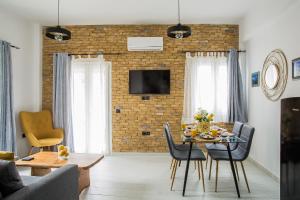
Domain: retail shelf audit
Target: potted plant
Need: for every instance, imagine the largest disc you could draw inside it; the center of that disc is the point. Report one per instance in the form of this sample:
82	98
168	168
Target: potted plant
203	119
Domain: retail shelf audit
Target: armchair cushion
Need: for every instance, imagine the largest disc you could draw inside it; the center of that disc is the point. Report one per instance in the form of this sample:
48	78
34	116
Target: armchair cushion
10	180
47	142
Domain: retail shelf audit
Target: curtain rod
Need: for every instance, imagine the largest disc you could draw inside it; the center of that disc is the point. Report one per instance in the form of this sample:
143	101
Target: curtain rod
93	54
13	46
240	51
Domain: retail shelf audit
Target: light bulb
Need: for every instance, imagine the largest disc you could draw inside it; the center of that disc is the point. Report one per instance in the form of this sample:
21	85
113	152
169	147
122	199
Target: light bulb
58	37
179	35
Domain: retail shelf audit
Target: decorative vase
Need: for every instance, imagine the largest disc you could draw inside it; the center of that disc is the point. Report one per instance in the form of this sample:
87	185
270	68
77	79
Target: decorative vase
203	127
63	152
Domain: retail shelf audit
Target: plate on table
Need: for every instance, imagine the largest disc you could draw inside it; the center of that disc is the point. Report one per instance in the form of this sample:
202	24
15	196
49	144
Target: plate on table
227	134
206	137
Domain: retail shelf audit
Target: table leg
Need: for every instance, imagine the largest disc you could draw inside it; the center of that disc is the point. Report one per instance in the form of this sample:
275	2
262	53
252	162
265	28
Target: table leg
187	168
39	171
233	170
84	179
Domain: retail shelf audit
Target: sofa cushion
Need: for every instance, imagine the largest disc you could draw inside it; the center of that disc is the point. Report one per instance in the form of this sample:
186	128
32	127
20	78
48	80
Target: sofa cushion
10	180
28	180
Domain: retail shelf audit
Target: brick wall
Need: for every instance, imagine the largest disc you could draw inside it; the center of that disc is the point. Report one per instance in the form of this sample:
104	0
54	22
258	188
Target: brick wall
137	115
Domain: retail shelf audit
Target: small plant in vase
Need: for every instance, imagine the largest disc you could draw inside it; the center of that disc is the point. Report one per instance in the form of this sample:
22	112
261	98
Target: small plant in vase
203	119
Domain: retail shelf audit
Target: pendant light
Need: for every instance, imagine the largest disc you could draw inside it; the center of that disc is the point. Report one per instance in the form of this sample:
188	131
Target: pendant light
179	31
58	33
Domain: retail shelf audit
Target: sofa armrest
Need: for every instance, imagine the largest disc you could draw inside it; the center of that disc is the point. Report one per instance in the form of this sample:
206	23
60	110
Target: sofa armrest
61	184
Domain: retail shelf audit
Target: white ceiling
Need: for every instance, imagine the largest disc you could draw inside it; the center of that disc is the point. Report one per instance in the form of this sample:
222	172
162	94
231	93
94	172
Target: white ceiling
90	12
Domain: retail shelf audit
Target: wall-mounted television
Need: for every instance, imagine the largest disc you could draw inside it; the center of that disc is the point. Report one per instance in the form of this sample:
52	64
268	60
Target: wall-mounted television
149	81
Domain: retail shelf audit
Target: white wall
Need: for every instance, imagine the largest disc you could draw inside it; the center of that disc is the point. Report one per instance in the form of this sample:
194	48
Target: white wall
262	32
26	67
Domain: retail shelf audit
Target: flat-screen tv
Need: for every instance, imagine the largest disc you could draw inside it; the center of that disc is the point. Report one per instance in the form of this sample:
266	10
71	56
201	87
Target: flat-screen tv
149	81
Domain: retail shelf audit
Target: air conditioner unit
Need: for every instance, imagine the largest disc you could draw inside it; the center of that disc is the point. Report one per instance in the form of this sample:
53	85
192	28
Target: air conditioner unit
145	43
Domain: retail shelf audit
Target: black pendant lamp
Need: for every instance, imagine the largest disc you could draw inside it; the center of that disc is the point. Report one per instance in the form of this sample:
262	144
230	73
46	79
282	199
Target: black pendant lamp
179	31
58	33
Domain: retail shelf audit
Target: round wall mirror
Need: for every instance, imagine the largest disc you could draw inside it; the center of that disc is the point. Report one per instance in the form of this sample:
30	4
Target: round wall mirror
272	76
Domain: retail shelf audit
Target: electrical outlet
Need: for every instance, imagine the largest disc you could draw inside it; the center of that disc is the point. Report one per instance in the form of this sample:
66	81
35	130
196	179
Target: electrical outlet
118	109
145	98
145	133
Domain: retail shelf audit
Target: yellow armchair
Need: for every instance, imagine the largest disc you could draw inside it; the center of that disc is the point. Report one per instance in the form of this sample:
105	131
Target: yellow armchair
39	130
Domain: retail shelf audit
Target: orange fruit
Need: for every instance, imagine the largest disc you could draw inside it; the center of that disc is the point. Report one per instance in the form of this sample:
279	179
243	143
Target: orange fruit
61	147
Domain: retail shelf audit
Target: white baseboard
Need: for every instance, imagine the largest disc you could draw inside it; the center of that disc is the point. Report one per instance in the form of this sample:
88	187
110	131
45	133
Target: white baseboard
139	154
268	172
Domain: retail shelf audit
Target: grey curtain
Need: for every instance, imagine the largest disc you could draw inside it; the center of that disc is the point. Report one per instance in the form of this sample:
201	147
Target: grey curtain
237	105
62	113
7	119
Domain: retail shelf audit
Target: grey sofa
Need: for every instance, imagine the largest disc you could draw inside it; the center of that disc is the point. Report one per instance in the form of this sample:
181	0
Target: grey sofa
61	184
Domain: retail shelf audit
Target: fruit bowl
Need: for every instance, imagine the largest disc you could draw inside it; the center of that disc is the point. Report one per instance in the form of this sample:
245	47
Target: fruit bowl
63	152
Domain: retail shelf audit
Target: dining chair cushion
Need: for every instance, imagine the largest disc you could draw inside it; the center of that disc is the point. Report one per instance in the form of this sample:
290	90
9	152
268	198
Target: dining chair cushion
223	155
185	147
183	155
237	128
218	147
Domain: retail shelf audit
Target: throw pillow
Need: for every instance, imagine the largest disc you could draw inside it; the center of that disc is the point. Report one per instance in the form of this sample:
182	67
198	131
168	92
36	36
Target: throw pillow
10	180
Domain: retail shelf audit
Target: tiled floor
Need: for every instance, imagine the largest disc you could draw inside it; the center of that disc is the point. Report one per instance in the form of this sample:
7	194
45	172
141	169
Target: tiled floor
147	177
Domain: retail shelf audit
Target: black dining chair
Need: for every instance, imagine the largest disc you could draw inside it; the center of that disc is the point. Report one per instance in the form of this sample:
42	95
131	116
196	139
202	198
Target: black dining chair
237	128
182	155
238	155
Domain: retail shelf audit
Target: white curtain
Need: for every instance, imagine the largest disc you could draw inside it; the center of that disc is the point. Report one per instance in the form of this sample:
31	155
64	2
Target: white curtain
205	86
91	103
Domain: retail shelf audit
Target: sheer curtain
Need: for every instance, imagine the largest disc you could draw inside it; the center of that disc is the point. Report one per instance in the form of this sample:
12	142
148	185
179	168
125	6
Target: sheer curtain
205	86
91	104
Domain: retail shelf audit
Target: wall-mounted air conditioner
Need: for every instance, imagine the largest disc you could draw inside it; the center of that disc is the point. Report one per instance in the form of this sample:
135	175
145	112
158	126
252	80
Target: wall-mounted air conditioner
145	43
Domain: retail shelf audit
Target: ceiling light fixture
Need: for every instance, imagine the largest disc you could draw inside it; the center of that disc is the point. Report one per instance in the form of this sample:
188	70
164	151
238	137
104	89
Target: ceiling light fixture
179	31
58	33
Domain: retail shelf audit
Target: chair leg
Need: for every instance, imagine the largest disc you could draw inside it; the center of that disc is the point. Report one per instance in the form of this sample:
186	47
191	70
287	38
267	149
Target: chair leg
217	171
210	169
245	177
175	167
30	150
179	163
206	160
195	164
202	176
237	171
198	169
172	163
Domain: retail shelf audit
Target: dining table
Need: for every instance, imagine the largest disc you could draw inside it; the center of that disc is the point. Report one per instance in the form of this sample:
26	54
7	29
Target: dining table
216	140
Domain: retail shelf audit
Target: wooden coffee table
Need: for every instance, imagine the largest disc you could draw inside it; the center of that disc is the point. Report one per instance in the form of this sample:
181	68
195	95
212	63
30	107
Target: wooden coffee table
44	161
